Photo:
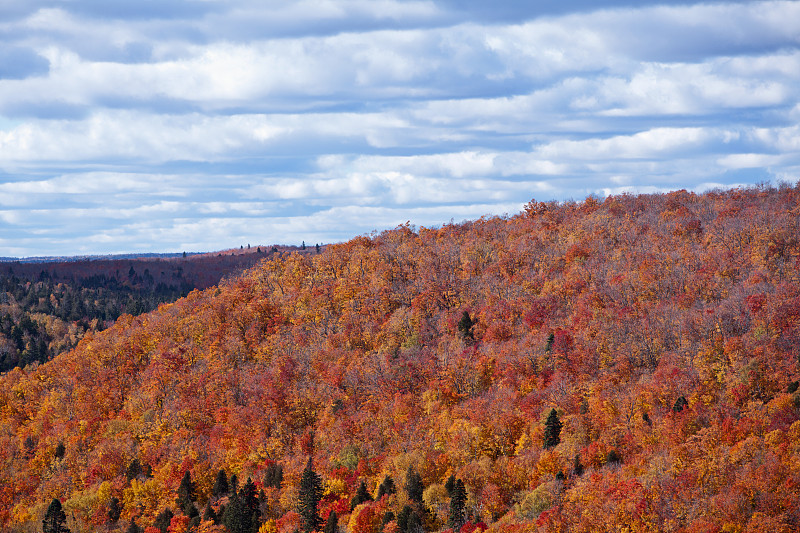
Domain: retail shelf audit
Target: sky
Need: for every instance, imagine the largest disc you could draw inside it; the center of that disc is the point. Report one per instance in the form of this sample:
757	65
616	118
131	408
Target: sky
200	125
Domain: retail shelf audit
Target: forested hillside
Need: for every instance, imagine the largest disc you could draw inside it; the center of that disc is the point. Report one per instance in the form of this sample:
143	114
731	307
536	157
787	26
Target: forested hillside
47	307
629	364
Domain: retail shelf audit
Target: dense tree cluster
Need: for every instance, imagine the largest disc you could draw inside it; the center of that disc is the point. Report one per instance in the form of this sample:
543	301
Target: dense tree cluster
624	364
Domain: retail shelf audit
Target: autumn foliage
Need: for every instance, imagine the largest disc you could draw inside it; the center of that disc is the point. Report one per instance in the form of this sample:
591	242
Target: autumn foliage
444	352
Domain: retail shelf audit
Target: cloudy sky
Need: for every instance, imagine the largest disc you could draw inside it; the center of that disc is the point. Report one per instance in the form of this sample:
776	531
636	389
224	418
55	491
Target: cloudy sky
197	125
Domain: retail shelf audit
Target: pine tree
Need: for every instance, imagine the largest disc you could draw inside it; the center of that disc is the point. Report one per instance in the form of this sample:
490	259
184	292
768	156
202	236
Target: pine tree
465	326
408	520
414	486
386	487
114	509
362	495
220	485
236	519
458	500
552	430
309	497
209	515
187	494
250	504
450	484
134	470
274	476
133	527
332	524
55	520
163	520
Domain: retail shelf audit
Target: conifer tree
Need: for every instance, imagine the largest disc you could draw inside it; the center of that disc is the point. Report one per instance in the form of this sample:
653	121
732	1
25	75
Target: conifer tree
458	500
114	509
220	487
55	520
133	527
249	499
386	487
163	520
332	524
414	486
209	515
465	326
450	484
552	430
236	519
187	494
362	495
309	497
274	476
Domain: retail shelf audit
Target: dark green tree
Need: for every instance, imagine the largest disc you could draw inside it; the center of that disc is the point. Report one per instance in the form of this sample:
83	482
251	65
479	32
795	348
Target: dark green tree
250	504
274	476
209	514
236	518
680	404
114	509
187	494
220	487
133	527
458	501
332	524
309	497
386	487
465	326
362	495
577	467
55	520
552	430
134	470
549	346
163	520
60	451
408	521
414	486
450	484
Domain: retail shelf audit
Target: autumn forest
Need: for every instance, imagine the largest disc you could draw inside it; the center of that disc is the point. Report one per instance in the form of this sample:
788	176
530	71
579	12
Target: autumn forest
620	364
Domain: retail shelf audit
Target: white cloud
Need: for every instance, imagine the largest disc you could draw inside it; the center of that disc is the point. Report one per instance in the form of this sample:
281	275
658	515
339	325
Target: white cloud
315	120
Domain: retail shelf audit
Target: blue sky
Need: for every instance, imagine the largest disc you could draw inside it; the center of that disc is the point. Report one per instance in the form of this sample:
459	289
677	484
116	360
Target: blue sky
197	125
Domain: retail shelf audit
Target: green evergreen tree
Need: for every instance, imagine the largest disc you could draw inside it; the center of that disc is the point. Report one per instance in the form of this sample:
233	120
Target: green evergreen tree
250	503
552	430
450	484
408	521
274	476
465	326
309	497
55	520
220	487
362	495
209	515
163	520
458	501
134	470
133	527
332	524
60	451
114	509
236	518
414	486
386	487
187	494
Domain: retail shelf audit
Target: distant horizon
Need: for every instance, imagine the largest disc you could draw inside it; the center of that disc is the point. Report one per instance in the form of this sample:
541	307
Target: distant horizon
180	125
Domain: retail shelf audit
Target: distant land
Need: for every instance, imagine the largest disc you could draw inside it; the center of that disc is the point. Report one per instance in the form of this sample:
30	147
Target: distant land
48	304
